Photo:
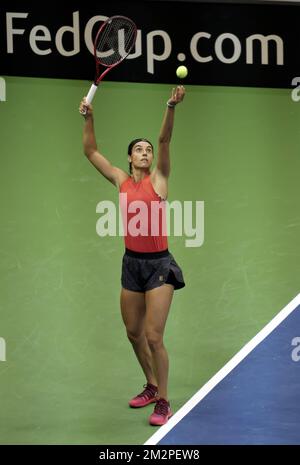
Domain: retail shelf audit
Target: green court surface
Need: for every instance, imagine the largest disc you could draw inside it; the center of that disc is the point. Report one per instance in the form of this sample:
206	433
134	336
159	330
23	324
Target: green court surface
69	369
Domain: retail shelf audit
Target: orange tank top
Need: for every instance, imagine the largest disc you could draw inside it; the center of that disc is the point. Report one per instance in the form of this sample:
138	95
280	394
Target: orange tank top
144	216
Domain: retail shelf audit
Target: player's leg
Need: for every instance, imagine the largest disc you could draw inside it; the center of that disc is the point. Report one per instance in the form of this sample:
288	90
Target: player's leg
158	301
133	308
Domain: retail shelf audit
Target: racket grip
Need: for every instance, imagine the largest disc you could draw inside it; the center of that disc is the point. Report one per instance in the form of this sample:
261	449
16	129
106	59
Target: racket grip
91	93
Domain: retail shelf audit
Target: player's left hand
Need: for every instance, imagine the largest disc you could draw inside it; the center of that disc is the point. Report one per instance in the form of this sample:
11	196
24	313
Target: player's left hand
177	95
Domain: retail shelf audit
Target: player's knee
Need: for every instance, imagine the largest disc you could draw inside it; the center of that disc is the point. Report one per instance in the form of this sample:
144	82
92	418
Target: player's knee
134	336
154	339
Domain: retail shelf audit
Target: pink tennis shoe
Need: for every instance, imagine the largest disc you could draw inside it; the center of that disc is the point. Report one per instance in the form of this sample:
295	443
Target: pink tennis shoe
162	413
144	398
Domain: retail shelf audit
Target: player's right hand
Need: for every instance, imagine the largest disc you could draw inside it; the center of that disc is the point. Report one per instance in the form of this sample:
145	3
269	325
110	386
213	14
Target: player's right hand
85	109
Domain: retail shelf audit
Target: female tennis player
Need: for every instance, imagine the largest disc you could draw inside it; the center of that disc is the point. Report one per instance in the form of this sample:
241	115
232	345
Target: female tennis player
149	272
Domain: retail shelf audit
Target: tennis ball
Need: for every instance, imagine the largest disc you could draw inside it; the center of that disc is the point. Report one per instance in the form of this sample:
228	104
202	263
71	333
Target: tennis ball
181	72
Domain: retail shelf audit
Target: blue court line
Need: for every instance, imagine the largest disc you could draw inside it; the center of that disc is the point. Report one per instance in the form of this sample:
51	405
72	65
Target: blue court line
253	399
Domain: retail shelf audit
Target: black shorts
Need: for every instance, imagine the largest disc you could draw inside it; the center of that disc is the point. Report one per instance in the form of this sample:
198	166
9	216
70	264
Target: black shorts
142	272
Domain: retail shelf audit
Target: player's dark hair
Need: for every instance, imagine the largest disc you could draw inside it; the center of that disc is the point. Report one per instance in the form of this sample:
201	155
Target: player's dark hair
131	145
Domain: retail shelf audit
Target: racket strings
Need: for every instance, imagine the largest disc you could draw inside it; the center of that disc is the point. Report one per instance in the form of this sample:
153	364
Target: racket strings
114	44
115	41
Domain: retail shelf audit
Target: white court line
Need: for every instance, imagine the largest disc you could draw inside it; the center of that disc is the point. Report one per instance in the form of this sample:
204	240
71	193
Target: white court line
236	359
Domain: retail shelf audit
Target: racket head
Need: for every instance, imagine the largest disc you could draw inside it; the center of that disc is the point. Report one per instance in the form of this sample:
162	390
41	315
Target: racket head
114	40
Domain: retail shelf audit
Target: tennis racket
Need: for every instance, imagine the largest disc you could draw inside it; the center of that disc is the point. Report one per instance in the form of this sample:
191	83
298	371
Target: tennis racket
114	41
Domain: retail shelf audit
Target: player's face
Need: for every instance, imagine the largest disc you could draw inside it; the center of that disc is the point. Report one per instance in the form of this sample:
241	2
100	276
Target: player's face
141	155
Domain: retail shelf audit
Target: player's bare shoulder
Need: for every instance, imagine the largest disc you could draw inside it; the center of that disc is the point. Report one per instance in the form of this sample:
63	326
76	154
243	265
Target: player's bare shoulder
159	183
120	176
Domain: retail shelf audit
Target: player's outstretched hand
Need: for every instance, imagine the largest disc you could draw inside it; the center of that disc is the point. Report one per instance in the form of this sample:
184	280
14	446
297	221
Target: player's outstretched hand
177	95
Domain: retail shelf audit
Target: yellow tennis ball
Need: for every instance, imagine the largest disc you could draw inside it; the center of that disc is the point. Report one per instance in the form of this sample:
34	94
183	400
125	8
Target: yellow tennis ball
181	72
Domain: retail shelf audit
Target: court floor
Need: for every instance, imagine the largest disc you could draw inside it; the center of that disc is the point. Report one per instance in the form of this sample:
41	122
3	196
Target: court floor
254	399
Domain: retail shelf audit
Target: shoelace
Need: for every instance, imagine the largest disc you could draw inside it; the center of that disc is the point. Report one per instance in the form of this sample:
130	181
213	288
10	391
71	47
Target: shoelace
161	407
148	392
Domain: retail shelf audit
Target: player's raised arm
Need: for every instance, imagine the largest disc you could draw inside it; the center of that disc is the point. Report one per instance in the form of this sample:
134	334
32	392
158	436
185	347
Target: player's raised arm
115	175
163	154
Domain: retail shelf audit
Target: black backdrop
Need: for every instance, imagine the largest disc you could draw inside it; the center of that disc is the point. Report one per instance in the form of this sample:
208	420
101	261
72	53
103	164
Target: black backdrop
166	29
